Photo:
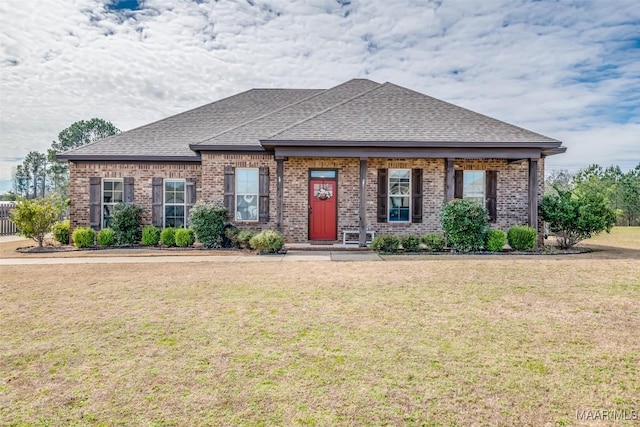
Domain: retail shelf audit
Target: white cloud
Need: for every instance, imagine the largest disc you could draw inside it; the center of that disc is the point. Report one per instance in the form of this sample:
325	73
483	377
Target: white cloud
567	70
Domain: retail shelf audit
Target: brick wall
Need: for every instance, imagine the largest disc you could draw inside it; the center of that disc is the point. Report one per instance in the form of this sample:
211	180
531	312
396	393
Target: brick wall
512	189
142	173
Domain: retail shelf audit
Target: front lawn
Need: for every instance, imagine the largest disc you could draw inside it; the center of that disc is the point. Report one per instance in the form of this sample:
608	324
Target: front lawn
436	342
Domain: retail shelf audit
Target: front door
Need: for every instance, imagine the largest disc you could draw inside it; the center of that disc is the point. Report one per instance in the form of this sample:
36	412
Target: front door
323	221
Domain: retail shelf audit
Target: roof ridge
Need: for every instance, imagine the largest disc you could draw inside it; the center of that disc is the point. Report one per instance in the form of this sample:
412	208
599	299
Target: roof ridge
262	116
326	110
276	111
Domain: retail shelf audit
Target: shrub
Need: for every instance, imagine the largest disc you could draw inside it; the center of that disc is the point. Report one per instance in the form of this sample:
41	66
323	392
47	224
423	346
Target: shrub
184	237
126	223
207	222
106	237
267	242
465	224
83	237
61	232
168	236
495	240
35	218
385	244
410	243
244	237
434	241
150	235
230	235
522	237
575	216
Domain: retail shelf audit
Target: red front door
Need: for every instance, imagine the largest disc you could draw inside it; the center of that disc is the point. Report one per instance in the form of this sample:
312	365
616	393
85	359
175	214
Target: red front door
323	222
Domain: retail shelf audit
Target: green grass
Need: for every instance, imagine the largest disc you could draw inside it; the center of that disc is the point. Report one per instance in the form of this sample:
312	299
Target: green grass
453	341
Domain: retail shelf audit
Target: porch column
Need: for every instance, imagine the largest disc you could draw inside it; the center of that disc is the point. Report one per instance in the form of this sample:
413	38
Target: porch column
449	180
279	193
363	203
533	193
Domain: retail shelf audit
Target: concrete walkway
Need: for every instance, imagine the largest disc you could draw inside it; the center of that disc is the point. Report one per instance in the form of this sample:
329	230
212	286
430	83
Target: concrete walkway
290	256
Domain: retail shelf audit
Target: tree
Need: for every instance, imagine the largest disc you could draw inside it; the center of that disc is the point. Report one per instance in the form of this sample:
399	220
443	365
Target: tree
35	218
576	215
78	134
630	190
558	178
21	181
35	165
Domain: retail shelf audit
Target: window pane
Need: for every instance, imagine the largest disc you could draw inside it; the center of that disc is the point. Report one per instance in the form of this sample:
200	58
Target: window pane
179	197
246	181
169	186
473	185
247	208
398	188
108	185
400	174
117	185
169	211
323	174
117	196
178	185
107	197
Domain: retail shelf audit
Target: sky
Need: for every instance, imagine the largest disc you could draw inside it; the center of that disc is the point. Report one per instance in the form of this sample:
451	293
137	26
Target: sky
569	70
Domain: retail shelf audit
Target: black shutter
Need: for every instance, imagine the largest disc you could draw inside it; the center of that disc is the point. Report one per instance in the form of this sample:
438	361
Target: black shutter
229	191
128	190
416	195
157	201
95	202
263	193
382	195
458	181
491	194
190	198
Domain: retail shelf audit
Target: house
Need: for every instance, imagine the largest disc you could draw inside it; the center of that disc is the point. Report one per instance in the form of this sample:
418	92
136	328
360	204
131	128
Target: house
314	163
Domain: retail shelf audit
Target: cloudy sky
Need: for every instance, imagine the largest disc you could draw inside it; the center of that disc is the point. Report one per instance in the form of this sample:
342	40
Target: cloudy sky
566	69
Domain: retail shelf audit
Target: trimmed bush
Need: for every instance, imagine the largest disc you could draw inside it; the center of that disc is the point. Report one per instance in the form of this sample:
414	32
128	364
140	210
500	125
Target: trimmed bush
434	241
522	237
106	237
267	242
243	239
207	222
150	235
61	232
410	243
168	237
465	224
83	237
495	240
126	223
386	244
184	237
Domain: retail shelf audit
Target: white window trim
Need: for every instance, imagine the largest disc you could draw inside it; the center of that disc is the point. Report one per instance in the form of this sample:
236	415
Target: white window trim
112	204
484	185
256	195
389	195
165	204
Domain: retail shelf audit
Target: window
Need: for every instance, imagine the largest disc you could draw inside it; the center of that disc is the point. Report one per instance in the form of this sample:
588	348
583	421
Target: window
473	186
246	194
112	194
399	195
174	203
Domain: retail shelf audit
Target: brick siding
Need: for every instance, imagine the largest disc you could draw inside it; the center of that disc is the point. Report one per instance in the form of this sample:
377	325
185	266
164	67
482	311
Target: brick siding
512	189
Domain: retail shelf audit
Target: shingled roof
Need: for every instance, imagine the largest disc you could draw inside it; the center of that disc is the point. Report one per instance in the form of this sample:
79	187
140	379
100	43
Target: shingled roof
357	112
